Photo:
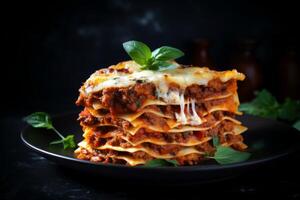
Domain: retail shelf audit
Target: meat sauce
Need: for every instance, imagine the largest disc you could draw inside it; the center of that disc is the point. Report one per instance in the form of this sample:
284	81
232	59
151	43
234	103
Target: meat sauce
130	99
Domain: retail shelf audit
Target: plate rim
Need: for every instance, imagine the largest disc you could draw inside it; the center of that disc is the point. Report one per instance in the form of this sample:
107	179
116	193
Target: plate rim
195	168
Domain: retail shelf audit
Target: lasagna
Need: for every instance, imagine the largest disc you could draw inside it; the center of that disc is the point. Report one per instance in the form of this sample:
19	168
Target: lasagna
132	116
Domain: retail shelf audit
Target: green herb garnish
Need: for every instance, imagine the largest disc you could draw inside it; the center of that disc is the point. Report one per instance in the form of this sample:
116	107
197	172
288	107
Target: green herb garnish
297	125
159	59
43	120
161	163
68	142
227	155
266	105
289	110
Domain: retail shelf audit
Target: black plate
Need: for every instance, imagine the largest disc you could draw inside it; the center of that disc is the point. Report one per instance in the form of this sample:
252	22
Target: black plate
267	139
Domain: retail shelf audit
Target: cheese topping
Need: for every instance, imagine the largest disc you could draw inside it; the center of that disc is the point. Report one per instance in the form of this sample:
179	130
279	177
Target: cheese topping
128	73
183	77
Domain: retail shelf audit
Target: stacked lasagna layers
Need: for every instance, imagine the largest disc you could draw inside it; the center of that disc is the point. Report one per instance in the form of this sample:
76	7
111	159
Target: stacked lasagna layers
132	116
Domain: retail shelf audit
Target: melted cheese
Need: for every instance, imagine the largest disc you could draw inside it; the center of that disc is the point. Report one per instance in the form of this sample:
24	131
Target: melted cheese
177	101
184	77
187	116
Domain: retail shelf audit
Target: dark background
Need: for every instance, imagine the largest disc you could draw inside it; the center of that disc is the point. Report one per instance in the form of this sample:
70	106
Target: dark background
51	47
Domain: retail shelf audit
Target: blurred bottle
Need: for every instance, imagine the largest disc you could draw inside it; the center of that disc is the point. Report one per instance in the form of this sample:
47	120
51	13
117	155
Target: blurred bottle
289	72
201	56
244	60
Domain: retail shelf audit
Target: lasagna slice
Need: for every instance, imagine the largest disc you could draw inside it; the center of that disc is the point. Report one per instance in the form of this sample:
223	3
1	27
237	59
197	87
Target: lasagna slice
132	116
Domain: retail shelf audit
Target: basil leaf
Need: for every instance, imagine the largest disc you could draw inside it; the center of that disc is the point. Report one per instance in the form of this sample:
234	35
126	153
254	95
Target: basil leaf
297	125
158	65
43	120
227	155
170	66
39	120
265	105
166	53
161	163
159	59
68	142
289	110
173	162
138	51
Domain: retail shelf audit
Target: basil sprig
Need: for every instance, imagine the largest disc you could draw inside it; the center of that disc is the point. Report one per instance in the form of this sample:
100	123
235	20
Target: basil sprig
43	120
227	155
266	105
159	59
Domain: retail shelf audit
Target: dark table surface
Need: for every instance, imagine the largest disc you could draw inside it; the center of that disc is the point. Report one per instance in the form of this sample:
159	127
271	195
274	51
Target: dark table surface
26	175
